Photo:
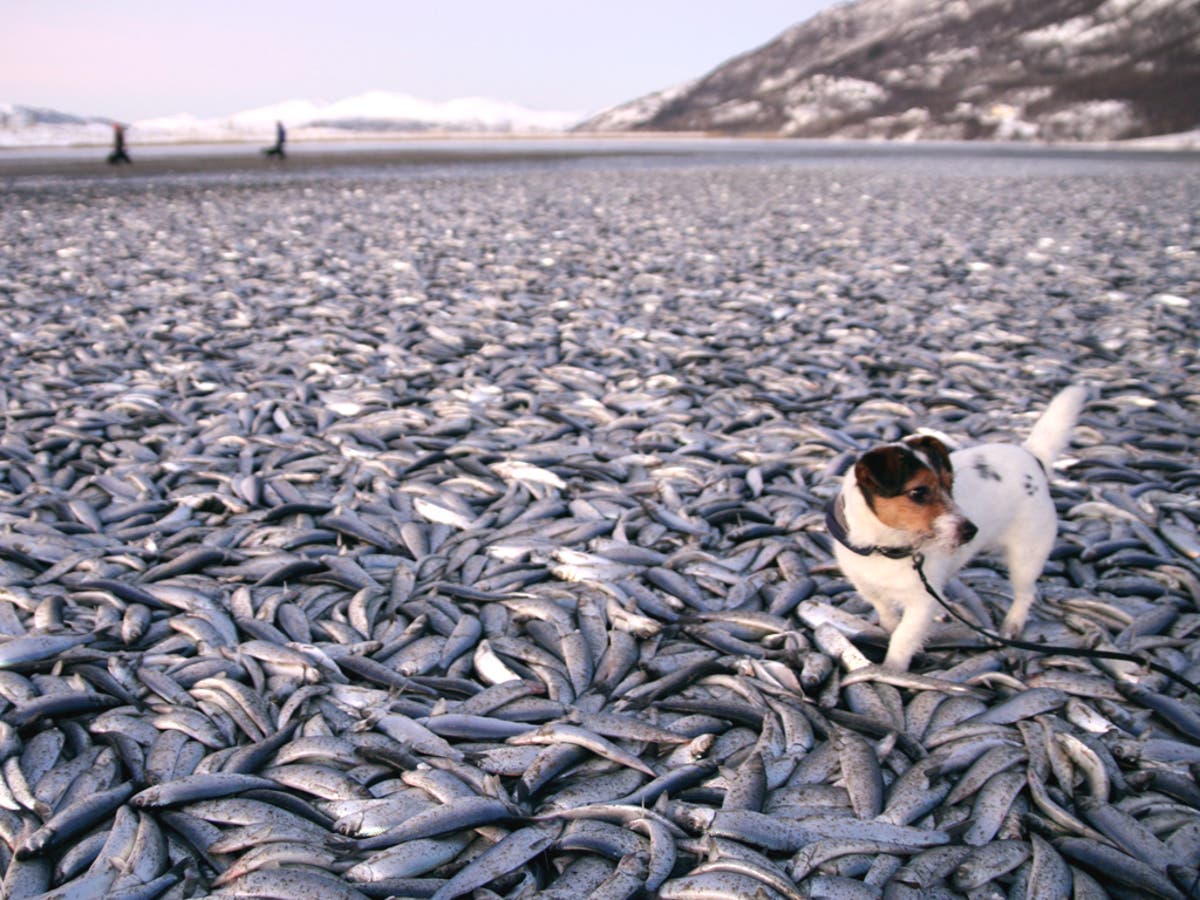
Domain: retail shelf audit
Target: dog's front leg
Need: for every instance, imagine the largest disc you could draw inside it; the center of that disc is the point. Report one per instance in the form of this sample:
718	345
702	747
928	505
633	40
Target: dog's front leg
884	603
909	636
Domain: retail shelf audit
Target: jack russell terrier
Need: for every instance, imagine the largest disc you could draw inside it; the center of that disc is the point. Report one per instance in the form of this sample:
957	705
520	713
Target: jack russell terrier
915	497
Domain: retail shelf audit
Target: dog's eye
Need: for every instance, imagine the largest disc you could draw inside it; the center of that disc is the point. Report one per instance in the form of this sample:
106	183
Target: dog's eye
919	495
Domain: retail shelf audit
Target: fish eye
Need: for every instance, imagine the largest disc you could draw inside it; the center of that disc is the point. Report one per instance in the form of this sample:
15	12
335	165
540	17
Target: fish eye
919	495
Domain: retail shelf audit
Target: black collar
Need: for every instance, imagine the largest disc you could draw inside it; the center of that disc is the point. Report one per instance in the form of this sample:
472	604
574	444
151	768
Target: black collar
835	524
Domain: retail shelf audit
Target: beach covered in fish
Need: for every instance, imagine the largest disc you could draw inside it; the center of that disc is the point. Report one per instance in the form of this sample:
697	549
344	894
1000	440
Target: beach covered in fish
460	533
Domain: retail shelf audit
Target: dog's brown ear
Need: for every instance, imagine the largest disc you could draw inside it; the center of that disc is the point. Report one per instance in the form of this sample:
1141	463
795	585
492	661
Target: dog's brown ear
884	471
933	448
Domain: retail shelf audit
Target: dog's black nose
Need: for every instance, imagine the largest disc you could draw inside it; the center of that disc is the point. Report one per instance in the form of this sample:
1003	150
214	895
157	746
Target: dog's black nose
966	531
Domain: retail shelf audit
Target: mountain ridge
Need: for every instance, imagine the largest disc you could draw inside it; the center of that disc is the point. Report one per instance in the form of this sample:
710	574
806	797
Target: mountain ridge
1057	70
370	113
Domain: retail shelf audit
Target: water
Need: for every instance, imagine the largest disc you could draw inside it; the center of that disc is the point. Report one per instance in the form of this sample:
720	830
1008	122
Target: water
242	163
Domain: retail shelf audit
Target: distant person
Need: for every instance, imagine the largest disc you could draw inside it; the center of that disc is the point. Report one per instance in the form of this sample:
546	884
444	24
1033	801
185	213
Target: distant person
280	138
118	154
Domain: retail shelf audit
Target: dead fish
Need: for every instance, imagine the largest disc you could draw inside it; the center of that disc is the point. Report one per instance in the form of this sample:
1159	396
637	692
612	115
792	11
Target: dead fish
72	820
35	648
427	498
464	813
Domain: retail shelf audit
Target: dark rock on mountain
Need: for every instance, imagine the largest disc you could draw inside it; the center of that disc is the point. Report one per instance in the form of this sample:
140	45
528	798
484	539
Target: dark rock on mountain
950	69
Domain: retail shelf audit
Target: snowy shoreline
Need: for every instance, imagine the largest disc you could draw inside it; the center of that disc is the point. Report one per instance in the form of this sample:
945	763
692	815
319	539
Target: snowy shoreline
371	151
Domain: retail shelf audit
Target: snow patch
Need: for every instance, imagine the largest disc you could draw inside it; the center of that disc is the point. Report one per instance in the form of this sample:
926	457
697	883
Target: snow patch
736	111
1008	123
1080	35
1058	34
627	116
1184	140
825	97
1135	9
374	112
1094	120
477	112
264	117
774	82
910	125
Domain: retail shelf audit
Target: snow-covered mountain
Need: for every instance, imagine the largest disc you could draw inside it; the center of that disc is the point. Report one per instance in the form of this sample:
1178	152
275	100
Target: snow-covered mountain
950	69
34	126
375	113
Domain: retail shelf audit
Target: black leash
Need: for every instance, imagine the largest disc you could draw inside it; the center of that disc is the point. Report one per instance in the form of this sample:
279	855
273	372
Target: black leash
835	524
918	559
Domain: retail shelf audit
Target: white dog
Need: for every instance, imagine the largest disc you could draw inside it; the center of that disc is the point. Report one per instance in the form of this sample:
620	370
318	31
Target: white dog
915	497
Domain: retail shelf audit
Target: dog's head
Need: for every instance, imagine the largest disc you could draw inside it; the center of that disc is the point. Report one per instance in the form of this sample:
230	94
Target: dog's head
908	486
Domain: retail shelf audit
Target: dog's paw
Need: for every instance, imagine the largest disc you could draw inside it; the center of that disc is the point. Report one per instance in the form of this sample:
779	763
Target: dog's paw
897	659
1011	628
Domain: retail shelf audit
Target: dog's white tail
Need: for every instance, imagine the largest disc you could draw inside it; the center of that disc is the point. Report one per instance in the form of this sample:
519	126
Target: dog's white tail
1052	431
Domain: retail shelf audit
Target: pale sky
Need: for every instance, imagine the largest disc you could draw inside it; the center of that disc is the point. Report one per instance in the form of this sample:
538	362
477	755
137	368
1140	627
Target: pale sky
134	59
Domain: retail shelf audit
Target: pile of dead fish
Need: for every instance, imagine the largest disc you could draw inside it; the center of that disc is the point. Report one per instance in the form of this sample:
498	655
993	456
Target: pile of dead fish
439	537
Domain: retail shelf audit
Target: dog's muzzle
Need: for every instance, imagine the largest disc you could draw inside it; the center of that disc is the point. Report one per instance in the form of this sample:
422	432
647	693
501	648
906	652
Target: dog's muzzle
952	531
966	531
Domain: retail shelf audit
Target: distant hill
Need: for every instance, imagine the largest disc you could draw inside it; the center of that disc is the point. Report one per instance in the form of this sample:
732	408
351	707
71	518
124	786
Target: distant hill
1059	70
375	113
13	116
